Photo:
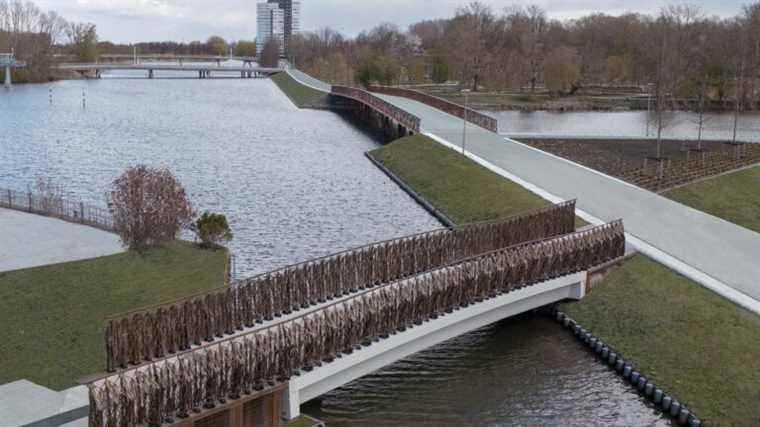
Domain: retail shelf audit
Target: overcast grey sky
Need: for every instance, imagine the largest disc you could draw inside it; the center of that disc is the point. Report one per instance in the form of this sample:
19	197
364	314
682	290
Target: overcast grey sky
155	20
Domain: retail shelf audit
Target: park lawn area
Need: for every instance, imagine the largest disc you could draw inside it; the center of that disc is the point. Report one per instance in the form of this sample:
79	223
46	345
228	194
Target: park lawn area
52	317
734	197
302	96
689	341
464	190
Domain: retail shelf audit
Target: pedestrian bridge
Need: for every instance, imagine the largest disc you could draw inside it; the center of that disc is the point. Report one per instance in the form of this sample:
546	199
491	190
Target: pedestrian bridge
306	329
203	70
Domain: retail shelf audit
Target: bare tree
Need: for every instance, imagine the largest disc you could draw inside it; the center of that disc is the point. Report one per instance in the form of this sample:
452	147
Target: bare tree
83	41
149	206
561	71
270	55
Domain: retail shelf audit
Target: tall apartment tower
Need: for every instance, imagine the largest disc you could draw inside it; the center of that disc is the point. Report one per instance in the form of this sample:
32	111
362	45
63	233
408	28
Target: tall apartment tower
292	14
270	24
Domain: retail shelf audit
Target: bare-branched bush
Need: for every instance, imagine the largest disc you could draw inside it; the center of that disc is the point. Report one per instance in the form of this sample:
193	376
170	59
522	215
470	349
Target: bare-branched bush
50	195
150	207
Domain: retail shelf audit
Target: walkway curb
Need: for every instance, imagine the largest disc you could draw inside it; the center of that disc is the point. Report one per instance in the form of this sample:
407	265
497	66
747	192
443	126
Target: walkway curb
440	216
608	355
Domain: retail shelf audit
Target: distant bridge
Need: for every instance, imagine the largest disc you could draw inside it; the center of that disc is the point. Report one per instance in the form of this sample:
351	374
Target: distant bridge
203	70
8	62
160	57
176	58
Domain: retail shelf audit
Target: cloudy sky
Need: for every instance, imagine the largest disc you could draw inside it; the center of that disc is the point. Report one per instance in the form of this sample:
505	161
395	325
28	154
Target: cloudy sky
185	20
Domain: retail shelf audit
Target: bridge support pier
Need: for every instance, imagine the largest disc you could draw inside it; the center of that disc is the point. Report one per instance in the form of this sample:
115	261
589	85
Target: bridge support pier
8	82
150	74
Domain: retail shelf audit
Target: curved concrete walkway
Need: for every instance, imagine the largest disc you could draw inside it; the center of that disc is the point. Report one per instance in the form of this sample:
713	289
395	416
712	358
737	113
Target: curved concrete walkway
28	240
710	250
719	255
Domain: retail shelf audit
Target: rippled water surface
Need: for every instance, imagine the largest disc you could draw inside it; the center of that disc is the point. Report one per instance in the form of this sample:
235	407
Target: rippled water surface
295	183
522	371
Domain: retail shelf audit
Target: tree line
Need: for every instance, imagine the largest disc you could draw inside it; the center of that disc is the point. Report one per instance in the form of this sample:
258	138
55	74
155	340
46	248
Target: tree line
213	46
36	36
679	54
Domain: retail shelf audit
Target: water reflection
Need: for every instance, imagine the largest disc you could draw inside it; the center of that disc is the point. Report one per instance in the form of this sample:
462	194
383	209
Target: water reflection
626	124
521	371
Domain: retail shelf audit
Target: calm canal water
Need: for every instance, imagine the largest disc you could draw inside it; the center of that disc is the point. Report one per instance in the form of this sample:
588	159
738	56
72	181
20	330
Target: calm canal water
296	185
626	124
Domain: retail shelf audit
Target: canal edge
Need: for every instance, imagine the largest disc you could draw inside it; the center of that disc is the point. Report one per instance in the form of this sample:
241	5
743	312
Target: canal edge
440	216
678	412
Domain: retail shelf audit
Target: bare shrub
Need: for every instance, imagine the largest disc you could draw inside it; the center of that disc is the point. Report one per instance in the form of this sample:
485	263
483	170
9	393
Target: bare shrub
150	207
50	195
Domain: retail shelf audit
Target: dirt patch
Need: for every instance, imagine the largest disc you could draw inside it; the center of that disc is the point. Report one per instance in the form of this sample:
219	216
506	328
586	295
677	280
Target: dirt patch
632	160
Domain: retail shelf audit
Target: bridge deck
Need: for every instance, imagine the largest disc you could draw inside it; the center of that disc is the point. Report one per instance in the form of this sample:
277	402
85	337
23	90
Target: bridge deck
167	67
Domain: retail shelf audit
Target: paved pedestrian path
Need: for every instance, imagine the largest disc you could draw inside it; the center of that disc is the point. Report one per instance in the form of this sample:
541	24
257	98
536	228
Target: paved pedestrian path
719	255
28	240
717	252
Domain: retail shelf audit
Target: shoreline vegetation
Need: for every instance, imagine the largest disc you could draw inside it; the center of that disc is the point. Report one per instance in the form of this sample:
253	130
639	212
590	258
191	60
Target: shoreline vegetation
300	95
53	316
690	341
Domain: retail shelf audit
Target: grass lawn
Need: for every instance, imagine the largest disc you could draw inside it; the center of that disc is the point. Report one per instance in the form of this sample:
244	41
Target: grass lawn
52	317
689	341
459	187
302	421
734	197
301	95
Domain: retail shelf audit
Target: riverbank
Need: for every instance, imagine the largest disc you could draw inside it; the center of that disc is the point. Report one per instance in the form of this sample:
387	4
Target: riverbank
646	310
52	317
462	189
692	343
302	96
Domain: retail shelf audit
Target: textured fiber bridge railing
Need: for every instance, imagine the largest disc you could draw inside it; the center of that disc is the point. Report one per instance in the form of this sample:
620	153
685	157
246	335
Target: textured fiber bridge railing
477	118
410	121
239	366
141	336
57	207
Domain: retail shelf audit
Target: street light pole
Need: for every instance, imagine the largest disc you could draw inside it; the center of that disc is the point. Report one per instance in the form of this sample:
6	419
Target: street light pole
464	128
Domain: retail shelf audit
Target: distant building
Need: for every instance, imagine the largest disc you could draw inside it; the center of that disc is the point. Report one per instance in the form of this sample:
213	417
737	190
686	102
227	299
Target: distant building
292	10
279	20
270	24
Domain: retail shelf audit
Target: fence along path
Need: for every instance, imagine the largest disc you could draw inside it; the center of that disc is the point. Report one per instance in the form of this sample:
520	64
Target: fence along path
57	207
140	336
475	117
658	177
231	368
